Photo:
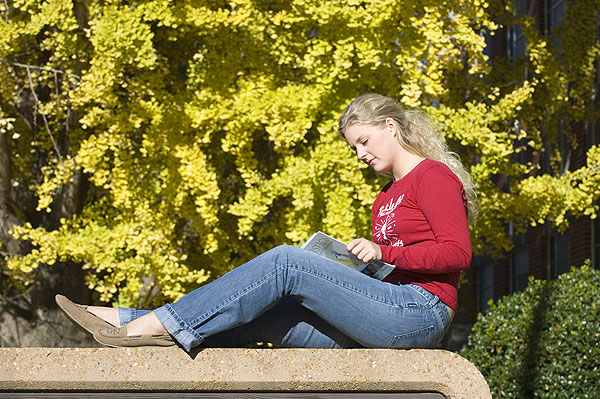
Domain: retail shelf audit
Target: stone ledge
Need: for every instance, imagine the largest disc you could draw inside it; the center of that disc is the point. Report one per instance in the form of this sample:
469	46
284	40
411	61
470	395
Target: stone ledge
154	369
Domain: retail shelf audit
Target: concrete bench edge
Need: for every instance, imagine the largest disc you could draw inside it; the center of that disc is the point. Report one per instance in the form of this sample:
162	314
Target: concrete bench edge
153	368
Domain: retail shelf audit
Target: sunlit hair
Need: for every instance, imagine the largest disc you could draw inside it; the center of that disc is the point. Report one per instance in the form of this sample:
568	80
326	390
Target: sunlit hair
417	133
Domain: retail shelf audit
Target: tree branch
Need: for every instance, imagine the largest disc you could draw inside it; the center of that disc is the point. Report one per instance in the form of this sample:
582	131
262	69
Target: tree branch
69	198
7	11
55	72
37	101
39	68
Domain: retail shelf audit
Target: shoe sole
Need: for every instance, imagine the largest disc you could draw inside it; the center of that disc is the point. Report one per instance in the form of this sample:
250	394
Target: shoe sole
162	340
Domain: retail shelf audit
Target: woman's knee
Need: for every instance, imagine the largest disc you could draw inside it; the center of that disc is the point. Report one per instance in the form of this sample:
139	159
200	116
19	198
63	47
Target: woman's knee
283	255
285	251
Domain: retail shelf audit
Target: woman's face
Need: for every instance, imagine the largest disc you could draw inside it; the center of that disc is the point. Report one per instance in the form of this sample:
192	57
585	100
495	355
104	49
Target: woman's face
376	146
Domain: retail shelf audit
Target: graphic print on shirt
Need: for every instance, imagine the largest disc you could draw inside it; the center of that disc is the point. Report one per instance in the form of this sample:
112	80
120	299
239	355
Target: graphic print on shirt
390	206
384	227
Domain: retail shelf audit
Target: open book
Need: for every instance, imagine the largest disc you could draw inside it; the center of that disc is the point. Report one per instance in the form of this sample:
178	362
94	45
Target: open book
328	247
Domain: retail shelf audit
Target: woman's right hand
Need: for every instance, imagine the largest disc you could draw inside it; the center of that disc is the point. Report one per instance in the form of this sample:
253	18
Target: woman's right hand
364	249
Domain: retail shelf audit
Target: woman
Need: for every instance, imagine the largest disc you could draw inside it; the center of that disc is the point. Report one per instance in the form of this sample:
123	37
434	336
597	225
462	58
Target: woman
294	298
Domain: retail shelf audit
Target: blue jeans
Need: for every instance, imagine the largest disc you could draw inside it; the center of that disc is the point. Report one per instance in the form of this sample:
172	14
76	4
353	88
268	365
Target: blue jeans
295	298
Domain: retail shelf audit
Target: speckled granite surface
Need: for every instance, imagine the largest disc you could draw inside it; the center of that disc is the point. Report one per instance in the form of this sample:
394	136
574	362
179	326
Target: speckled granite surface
240	370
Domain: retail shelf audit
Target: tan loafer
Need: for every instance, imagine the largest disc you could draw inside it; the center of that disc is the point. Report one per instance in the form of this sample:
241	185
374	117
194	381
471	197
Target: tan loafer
117	337
79	315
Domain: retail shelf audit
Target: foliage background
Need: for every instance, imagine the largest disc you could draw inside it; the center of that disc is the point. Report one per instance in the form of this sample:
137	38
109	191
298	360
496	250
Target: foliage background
149	146
542	342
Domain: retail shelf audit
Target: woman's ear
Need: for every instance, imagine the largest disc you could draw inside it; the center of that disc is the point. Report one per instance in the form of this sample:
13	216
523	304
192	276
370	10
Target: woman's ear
391	125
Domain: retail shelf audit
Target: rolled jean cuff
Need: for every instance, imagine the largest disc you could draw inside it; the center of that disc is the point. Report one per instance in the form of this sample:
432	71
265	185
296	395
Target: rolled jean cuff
126	315
177	328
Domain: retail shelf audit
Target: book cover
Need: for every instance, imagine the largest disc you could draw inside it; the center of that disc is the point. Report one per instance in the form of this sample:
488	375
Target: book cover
331	248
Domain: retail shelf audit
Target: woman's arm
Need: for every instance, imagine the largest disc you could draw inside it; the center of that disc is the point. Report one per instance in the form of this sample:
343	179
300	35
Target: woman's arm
442	201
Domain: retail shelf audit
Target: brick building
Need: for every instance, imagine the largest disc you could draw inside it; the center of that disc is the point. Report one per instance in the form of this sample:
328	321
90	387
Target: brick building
541	252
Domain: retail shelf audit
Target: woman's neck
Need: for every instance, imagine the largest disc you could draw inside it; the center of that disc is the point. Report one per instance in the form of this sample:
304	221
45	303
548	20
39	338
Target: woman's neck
407	162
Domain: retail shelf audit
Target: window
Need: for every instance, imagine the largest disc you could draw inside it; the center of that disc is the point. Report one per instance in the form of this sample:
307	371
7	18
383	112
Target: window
555	13
598	59
487	50
560	142
520	144
516	39
559	256
517	42
564	147
519	264
594	130
485	268
555	17
520	269
596	66
593	133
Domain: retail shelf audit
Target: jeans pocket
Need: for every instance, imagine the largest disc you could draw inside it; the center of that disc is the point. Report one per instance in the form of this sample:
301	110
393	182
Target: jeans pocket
420	338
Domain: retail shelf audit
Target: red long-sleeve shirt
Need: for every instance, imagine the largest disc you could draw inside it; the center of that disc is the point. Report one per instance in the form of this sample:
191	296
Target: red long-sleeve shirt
420	224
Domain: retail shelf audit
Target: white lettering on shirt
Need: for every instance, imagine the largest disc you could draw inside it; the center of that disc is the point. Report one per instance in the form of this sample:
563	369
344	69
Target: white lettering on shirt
390	207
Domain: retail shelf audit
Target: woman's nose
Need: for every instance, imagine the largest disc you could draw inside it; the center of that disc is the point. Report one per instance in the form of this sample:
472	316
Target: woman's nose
360	153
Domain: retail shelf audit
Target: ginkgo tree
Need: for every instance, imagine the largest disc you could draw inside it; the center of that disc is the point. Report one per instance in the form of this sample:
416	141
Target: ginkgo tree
156	144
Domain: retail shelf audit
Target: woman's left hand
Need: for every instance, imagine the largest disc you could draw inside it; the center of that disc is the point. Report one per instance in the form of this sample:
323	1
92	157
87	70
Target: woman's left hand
364	249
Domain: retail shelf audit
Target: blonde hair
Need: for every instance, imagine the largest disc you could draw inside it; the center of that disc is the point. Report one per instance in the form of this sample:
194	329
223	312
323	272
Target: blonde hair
417	133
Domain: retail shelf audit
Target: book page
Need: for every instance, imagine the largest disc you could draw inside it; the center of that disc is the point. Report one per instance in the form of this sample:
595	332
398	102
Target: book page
331	248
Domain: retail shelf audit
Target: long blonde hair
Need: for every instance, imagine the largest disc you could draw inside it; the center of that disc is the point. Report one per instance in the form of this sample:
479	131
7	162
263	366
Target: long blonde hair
417	133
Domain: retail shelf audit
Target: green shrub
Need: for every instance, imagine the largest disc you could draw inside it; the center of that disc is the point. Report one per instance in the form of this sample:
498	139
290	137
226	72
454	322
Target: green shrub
543	342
